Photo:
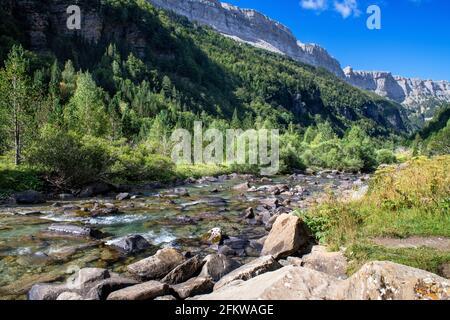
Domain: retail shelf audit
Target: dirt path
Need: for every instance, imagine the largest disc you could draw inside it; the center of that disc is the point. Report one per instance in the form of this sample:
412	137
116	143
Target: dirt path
438	243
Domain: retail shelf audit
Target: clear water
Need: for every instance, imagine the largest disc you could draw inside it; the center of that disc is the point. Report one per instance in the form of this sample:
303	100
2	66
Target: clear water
30	254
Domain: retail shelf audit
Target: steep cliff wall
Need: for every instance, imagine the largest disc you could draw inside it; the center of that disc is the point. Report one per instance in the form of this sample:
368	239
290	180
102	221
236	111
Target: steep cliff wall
252	27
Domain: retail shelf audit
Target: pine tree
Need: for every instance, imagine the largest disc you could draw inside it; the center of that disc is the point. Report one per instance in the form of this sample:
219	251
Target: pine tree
16	93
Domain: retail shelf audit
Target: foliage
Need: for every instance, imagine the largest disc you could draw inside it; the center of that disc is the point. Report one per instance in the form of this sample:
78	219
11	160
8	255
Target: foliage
410	199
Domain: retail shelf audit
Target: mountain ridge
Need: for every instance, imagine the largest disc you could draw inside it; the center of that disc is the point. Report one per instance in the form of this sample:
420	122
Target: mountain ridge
252	27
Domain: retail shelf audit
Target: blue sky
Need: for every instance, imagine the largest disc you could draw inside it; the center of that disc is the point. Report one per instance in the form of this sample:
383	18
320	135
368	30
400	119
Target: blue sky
414	40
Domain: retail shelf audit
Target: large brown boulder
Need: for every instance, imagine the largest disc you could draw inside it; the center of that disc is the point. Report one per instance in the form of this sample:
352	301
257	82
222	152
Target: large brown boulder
193	287
392	281
217	265
156	266
143	291
288	283
332	263
184	271
288	234
249	270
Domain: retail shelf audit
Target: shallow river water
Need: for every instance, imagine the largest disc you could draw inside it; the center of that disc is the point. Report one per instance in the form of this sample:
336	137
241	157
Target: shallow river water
30	253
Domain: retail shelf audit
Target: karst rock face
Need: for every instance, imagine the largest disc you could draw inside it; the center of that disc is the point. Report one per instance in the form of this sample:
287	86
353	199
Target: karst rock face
251	27
413	93
43	20
254	28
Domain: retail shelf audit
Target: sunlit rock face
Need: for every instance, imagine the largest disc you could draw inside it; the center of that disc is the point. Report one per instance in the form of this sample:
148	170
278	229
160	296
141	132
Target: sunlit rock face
412	93
251	27
254	28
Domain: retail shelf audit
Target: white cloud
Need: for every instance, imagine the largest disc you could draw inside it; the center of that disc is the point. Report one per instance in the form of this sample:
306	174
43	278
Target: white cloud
347	8
318	5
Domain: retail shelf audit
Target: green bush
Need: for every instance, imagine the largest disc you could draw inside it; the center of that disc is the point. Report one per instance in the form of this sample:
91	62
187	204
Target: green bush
70	160
13	179
137	164
385	156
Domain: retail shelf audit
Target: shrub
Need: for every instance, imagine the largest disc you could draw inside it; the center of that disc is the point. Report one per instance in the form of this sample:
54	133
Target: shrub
70	160
385	156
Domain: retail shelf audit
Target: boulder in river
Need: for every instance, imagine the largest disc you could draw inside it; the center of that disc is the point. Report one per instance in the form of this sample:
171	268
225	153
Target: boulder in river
74	230
103	288
123	196
184	271
130	244
213	236
249	270
29	197
193	287
158	265
383	280
85	279
217	265
332	263
242	187
288	283
66	296
95	189
181	192
45	291
289	233
143	291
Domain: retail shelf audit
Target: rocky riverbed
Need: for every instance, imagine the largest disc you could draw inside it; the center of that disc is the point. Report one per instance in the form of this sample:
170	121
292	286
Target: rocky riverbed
176	243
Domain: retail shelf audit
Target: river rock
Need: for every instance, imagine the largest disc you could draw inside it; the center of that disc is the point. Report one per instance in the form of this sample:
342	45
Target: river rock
130	244
270	203
45	291
391	281
249	213
143	291
288	235
123	196
65	196
193	287
242	187
86	278
106	210
271	221
213	236
29	197
184	271
66	296
249	270
166	298
181	192
75	230
104	287
288	283
217	265
95	189
332	263
158	265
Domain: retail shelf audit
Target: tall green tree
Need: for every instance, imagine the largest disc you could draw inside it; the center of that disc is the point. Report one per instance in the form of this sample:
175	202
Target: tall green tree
86	113
15	98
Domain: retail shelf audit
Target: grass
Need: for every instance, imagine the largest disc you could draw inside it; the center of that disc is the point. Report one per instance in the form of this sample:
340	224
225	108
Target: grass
410	199
16	179
421	258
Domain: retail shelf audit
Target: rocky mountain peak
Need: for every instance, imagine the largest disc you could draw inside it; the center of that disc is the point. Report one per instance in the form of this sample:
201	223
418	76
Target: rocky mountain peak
250	26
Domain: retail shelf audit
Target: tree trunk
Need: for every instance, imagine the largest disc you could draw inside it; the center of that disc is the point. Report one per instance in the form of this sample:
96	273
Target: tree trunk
17	143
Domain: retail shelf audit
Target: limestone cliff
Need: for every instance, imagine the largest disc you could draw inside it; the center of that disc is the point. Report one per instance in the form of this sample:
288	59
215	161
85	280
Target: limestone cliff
254	28
251	27
412	93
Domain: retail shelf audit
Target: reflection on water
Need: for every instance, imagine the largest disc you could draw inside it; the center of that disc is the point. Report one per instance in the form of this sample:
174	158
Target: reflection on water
29	253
